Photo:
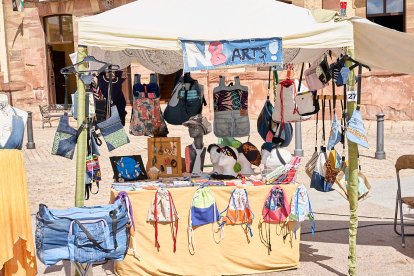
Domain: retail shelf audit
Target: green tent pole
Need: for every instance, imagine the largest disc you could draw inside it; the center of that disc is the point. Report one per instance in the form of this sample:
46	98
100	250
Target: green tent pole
81	144
352	181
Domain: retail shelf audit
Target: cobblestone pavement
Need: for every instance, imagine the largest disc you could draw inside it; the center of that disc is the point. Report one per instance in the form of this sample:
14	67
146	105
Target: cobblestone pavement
51	180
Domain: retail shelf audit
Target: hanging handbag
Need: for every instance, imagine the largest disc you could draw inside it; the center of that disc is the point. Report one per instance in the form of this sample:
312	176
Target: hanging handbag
93	174
147	118
187	100
307	103
66	137
264	121
323	71
231	117
113	131
82	235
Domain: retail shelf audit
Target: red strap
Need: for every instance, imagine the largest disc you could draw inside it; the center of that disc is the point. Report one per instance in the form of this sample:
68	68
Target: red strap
157	245
295	93
175	222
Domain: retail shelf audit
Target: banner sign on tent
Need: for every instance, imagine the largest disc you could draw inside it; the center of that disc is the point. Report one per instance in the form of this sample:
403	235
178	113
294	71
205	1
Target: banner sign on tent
204	55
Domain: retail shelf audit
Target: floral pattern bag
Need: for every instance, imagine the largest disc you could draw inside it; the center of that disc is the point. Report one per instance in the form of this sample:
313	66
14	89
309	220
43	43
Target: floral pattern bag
113	131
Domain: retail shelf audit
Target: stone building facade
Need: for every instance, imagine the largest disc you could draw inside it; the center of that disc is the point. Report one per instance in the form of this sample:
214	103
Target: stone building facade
35	43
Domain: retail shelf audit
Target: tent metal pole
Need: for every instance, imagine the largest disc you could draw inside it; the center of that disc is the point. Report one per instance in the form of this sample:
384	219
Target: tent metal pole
353	181
81	144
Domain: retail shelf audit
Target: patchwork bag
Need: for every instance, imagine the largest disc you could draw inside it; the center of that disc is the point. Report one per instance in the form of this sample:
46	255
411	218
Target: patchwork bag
318	174
82	235
113	131
162	210
203	211
231	117
238	211
301	208
92	174
65	139
276	208
147	116
307	103
184	103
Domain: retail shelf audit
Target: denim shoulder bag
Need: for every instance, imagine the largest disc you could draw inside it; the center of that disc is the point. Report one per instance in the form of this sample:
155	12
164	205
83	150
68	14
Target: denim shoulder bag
65	138
113	131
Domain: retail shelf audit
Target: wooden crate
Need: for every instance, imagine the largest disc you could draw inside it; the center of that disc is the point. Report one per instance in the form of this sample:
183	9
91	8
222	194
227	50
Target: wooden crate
165	149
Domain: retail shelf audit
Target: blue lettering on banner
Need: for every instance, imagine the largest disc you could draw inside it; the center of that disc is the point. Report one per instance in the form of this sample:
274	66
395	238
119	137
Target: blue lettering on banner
205	55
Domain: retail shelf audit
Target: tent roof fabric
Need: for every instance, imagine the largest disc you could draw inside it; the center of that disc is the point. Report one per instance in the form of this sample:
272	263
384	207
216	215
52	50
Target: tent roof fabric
159	24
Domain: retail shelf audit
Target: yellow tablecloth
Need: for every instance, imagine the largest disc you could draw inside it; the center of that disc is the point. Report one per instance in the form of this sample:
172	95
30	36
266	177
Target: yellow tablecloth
235	254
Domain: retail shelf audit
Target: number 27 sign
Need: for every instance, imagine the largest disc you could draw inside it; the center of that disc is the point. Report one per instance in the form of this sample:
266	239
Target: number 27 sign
204	55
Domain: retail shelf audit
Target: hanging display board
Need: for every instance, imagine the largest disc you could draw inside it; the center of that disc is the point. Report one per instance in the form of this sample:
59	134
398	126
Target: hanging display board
165	154
206	55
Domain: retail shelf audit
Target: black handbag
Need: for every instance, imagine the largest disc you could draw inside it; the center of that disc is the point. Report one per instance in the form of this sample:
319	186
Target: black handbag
184	103
100	110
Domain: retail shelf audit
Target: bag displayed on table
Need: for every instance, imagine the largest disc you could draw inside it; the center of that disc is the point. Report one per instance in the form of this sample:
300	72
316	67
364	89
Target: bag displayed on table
147	116
307	103
203	211
185	102
162	210
231	117
238	211
276	208
113	131
301	208
65	139
82	235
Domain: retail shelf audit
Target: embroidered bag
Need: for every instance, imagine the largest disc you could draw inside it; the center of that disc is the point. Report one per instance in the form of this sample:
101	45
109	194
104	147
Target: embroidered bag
162	210
203	211
184	103
238	211
113	131
301	209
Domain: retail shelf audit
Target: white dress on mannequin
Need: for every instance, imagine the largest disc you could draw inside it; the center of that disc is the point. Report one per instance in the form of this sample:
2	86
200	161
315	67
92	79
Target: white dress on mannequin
6	118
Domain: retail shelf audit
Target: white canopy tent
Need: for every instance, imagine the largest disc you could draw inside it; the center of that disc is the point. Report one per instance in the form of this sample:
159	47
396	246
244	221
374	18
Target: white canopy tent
149	31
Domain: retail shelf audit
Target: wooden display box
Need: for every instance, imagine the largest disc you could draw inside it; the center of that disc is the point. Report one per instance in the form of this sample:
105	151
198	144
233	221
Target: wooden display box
166	150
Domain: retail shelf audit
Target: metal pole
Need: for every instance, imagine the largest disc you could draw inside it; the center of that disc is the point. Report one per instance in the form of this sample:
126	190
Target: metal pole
298	139
30	142
380	153
352	181
81	144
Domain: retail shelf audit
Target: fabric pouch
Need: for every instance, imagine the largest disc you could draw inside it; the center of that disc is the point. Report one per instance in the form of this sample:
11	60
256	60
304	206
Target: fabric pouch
307	103
113	131
355	131
312	79
65	138
335	135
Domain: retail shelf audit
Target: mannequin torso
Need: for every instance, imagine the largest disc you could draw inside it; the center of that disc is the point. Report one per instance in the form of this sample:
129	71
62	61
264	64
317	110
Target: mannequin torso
7	113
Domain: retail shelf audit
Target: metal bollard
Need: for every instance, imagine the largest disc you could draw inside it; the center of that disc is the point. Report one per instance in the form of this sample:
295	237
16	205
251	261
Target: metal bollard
30	142
298	139
380	153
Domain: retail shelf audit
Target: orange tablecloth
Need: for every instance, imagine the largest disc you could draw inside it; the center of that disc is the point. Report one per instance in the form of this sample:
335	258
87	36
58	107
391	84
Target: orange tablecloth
235	254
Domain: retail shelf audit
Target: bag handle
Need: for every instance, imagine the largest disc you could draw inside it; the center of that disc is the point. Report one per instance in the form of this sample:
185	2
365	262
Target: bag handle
172	205
268	83
280	156
300	78
359	87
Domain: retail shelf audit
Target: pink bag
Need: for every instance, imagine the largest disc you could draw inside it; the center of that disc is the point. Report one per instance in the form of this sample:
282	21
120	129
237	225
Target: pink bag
312	79
277	207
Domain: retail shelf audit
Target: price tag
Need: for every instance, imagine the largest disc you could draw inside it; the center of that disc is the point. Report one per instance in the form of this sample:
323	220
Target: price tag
169	170
351	96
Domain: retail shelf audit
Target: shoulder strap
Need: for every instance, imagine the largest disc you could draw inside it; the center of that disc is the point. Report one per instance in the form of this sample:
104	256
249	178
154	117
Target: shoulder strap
173	221
280	156
157	245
